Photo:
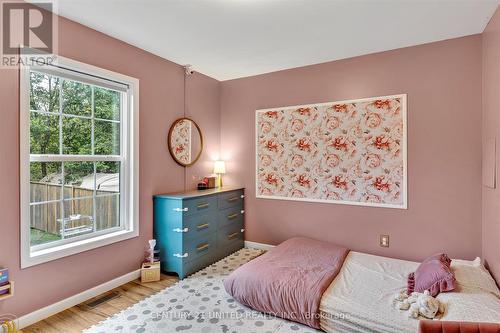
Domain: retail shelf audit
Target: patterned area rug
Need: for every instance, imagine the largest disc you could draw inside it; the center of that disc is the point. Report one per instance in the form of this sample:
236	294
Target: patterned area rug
198	304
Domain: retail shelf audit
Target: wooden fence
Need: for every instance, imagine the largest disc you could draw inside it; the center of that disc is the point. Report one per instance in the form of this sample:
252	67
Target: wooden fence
47	217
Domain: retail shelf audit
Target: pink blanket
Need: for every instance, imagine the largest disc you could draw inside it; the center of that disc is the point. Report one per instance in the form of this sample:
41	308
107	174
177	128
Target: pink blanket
289	280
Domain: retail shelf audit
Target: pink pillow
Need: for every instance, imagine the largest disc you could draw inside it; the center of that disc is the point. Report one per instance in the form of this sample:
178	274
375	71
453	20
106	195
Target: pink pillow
433	274
443	257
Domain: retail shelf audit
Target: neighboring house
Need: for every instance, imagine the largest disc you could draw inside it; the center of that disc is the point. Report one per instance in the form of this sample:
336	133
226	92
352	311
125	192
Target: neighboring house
52	178
109	182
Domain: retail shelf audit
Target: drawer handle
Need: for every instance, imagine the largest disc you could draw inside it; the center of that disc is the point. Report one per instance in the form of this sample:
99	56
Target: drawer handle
181	209
203	226
242	212
181	230
178	255
232	236
232	216
203	205
242	196
242	230
203	247
233	199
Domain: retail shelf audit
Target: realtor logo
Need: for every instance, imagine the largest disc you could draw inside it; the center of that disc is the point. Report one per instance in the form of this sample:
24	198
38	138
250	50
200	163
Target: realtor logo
30	26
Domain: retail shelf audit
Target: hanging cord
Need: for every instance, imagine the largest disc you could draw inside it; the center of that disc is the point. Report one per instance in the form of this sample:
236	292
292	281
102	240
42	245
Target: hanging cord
185	101
187	72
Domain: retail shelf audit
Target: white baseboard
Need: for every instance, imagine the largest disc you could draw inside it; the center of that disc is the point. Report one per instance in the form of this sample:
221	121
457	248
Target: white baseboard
69	302
259	246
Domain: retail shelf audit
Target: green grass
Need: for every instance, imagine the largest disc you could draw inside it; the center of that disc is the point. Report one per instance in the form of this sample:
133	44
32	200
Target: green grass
42	237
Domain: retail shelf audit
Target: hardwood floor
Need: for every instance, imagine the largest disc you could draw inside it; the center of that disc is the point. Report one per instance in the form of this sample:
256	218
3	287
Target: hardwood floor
81	316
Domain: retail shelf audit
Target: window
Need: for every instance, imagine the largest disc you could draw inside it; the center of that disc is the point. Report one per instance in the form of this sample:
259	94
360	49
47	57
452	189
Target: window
79	159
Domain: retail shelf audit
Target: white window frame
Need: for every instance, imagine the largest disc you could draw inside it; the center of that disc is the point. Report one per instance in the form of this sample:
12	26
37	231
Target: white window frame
129	157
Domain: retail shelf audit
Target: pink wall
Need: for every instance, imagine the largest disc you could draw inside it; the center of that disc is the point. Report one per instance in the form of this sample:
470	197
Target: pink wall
491	128
443	83
161	102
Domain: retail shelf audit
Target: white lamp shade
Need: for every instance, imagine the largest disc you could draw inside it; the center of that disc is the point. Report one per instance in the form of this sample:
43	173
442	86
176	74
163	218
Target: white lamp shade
219	167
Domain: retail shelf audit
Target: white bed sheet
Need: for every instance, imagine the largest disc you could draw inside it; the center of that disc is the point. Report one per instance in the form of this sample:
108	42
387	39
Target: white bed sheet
360	299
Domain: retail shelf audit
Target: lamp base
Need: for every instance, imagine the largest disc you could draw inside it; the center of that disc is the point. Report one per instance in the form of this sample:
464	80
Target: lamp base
219	180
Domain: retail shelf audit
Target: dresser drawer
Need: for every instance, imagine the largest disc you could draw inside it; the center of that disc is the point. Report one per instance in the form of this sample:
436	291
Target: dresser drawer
198	225
230	235
231	199
199	205
231	216
197	247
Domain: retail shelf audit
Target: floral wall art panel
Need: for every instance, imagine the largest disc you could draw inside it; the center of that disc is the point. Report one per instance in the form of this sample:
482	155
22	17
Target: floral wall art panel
181	141
349	152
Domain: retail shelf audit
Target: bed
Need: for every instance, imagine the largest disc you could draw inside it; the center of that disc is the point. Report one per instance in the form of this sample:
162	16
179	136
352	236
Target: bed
359	298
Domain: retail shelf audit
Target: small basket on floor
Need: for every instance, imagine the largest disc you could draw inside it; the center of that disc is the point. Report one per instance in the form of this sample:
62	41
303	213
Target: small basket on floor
150	272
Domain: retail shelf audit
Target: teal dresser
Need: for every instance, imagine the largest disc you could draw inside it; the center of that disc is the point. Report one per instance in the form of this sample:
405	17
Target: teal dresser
195	229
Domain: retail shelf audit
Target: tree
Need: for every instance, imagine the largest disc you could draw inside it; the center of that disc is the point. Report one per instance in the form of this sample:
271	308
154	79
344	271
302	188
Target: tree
47	95
44	97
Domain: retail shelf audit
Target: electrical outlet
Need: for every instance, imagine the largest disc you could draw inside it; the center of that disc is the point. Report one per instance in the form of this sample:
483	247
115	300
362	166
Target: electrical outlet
384	240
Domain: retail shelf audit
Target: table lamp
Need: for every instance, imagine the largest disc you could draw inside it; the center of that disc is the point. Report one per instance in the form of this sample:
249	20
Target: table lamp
219	169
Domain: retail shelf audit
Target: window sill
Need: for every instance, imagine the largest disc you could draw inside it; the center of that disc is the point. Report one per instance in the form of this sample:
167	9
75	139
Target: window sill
57	252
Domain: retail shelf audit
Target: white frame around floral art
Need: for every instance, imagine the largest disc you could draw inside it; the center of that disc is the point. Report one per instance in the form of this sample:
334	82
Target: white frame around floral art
403	145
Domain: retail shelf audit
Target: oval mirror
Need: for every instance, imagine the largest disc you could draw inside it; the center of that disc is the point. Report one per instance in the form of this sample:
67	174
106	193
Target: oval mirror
185	141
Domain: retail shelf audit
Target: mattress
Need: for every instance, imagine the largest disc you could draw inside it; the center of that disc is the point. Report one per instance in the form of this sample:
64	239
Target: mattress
360	299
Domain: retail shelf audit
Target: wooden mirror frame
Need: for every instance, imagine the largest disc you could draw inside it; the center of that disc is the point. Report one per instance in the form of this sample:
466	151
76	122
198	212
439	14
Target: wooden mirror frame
170	150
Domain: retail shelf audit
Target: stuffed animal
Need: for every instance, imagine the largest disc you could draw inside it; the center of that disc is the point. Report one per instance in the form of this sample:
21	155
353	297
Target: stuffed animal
401	301
419	304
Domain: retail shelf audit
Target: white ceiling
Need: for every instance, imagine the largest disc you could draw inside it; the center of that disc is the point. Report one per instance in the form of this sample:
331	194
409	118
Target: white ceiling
229	39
